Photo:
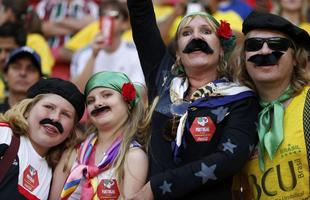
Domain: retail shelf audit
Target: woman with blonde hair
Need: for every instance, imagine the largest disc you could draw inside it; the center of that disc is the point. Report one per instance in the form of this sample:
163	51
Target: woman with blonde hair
204	123
294	11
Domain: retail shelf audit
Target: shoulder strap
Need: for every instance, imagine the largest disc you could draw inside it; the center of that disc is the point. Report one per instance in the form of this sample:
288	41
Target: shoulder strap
9	156
306	120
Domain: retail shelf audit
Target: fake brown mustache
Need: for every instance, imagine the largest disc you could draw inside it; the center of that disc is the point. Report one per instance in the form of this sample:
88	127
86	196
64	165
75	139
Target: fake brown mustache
264	60
98	110
51	122
198	45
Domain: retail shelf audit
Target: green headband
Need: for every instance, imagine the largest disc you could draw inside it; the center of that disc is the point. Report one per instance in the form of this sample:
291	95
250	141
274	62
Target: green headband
116	81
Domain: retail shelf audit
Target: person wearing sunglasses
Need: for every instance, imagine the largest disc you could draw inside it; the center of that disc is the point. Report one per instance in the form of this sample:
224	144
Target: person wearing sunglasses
274	63
204	122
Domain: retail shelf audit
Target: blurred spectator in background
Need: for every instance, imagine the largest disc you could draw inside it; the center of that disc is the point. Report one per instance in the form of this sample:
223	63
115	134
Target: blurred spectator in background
261	5
169	26
239	6
21	71
294	11
86	35
36	40
308	12
19	12
61	19
118	55
12	10
12	36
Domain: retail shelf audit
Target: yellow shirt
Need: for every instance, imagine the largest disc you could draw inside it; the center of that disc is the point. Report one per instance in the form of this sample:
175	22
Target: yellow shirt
2	91
39	44
305	26
287	175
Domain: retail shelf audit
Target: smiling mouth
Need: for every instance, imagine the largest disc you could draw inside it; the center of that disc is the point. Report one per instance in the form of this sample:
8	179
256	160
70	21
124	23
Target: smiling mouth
52	130
197	49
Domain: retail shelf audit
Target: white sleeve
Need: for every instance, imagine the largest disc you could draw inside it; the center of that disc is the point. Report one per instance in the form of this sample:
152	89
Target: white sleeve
40	9
94	9
136	74
5	135
79	61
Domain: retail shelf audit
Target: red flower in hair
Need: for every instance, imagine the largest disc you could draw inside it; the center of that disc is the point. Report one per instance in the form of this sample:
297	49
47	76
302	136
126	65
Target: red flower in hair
128	92
224	30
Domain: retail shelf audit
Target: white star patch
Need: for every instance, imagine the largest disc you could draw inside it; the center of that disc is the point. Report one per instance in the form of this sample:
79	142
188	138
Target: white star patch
165	187
229	146
206	173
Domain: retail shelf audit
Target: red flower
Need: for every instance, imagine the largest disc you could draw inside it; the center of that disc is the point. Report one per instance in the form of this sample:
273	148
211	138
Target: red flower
224	30
128	92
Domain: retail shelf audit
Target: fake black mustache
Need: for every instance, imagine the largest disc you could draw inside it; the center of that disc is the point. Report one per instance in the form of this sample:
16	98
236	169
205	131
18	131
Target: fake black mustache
98	110
264	60
51	122
198	45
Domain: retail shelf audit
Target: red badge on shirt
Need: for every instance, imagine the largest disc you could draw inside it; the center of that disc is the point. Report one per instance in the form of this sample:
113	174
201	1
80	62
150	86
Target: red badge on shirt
107	189
30	179
202	129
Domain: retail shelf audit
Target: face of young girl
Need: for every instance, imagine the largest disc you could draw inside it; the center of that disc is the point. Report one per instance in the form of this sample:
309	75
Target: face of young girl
50	120
106	108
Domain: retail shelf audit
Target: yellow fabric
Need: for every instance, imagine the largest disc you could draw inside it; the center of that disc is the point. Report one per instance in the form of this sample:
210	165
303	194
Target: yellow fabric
287	175
305	26
95	183
39	44
2	91
86	35
231	17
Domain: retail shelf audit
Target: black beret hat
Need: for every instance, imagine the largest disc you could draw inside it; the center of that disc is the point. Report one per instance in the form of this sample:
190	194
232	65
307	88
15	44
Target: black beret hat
264	20
61	87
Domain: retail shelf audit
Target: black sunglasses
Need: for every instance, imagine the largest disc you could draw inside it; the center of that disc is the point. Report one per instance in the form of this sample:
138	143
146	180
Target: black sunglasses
274	43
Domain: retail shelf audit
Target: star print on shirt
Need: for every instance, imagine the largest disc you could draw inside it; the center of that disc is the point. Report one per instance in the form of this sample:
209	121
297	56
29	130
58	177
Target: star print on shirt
229	146
165	187
220	113
206	173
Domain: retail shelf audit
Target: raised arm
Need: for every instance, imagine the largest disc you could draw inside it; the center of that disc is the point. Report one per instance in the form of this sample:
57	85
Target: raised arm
146	35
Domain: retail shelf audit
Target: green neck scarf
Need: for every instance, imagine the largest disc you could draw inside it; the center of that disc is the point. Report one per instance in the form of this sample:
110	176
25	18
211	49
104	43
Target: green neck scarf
270	126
